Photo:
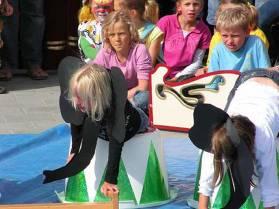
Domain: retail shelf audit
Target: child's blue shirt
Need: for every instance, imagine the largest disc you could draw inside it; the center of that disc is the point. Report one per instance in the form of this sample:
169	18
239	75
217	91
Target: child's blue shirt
253	54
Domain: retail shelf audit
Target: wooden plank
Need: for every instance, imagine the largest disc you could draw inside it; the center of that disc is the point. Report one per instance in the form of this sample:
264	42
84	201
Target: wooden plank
113	204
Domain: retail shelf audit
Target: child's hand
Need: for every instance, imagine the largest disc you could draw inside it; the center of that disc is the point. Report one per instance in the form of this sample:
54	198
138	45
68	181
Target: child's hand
9	10
201	71
6	9
131	94
109	188
275	68
174	79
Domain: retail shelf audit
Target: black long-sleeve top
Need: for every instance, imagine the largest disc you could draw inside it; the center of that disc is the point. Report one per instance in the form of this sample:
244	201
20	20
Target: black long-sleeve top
84	146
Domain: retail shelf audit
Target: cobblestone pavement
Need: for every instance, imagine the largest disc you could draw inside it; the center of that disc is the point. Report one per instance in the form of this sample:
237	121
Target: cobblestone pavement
30	106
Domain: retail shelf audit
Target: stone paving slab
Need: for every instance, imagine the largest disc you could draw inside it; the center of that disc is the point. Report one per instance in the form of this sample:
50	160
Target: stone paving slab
30	106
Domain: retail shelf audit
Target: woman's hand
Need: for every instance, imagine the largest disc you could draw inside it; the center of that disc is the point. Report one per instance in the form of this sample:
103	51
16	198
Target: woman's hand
109	188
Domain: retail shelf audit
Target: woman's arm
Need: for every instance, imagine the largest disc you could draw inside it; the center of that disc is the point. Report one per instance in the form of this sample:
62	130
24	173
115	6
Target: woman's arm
115	149
203	202
76	132
82	159
205	182
266	165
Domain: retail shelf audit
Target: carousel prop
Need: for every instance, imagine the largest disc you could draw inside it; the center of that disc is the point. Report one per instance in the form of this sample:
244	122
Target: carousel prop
172	103
113	204
142	179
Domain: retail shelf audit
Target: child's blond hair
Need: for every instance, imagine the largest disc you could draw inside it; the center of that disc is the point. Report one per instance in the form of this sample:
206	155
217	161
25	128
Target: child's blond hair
119	16
147	9
151	11
91	84
233	18
254	16
251	10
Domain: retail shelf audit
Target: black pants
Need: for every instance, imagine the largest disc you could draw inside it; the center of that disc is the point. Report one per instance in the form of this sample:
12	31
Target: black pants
23	34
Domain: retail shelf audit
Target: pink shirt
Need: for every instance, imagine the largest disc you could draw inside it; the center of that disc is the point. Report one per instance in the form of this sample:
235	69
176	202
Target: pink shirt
179	51
136	67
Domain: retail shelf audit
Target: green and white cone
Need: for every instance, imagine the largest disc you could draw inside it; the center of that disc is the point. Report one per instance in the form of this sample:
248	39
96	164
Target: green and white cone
142	178
221	194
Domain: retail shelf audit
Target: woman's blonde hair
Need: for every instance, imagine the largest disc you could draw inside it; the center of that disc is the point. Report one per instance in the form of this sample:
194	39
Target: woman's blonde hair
223	148
91	85
235	17
119	16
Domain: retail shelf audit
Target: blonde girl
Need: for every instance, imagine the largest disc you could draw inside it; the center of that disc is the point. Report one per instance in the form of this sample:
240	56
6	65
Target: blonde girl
91	91
123	49
144	13
91	17
186	38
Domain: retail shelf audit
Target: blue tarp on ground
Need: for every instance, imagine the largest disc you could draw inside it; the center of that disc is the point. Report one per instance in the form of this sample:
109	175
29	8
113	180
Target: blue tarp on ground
23	157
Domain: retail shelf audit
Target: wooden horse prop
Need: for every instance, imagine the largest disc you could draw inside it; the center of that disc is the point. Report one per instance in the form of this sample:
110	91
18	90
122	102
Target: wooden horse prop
172	103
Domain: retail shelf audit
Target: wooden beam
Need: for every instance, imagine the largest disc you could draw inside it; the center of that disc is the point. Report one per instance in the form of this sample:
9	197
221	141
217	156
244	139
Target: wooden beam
113	204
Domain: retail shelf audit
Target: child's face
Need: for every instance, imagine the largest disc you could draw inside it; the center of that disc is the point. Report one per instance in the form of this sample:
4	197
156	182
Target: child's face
79	103
101	10
118	5
119	37
189	9
234	39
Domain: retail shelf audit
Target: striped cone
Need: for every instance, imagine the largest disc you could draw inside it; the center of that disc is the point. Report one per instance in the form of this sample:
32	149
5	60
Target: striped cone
142	179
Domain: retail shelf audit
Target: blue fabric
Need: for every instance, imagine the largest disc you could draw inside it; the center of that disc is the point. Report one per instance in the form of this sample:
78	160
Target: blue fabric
253	54
24	157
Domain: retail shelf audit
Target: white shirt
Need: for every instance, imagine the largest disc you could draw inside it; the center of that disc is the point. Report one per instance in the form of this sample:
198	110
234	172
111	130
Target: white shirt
261	105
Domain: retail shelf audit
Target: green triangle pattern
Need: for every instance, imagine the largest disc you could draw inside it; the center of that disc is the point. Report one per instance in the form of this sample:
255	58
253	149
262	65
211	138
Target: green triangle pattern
196	190
261	205
125	189
154	189
76	190
249	203
224	193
